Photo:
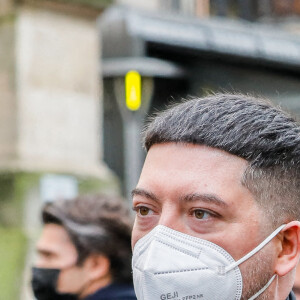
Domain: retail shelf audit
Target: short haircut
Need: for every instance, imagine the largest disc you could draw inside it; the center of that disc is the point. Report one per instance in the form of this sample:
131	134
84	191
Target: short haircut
248	127
96	224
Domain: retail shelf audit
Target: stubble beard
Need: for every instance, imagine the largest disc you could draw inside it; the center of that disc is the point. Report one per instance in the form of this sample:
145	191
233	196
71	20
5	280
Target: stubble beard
257	271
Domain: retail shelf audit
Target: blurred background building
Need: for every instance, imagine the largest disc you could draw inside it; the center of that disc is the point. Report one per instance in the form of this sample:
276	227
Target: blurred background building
65	124
190	48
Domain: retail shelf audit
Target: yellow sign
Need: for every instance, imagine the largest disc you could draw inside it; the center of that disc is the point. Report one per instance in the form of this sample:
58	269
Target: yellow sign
133	90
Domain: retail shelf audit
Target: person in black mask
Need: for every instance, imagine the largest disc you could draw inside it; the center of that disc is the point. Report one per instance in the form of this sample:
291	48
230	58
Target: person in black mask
84	251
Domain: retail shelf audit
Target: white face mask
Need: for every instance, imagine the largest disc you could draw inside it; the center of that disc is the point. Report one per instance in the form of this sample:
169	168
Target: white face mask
168	264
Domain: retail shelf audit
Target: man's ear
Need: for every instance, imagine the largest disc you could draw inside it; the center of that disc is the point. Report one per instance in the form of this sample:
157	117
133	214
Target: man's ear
97	267
289	248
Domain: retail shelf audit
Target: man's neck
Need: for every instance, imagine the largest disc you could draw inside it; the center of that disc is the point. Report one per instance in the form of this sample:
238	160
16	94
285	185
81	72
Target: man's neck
93	286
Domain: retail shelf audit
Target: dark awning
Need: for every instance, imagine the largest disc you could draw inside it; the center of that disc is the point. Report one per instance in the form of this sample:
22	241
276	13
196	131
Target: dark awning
126	32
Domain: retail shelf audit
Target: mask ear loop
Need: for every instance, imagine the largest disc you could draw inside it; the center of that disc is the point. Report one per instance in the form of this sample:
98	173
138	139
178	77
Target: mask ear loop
255	250
263	289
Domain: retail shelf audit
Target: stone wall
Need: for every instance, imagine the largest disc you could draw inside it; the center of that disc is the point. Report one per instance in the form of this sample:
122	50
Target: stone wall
8	105
58	93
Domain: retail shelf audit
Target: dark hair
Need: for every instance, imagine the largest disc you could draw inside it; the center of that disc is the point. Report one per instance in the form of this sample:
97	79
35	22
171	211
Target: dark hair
96	224
249	127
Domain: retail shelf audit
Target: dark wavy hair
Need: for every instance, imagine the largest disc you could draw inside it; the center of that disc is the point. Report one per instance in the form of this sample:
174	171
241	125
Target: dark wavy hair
96	224
248	127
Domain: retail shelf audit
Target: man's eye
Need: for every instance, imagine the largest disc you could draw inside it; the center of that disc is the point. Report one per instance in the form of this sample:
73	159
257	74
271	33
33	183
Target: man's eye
142	210
201	214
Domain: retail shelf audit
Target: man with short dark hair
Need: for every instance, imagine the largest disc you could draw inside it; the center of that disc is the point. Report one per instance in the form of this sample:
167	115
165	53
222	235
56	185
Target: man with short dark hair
218	202
84	250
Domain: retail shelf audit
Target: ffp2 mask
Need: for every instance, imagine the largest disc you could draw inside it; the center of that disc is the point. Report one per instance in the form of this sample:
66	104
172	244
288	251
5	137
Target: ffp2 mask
168	264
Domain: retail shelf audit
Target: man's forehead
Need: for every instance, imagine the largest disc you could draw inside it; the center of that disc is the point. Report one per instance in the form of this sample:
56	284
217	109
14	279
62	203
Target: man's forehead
186	169
194	152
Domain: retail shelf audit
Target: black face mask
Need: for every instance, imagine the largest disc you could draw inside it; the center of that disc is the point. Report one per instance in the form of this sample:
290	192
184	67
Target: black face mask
44	283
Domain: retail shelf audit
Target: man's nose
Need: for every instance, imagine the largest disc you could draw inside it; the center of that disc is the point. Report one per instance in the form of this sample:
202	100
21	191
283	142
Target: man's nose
172	218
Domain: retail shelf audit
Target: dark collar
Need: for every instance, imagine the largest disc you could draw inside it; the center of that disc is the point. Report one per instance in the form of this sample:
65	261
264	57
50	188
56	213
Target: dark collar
114	291
291	296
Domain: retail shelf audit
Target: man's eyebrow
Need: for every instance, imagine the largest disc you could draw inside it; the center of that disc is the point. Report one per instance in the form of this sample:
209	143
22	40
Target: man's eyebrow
208	198
43	251
143	193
